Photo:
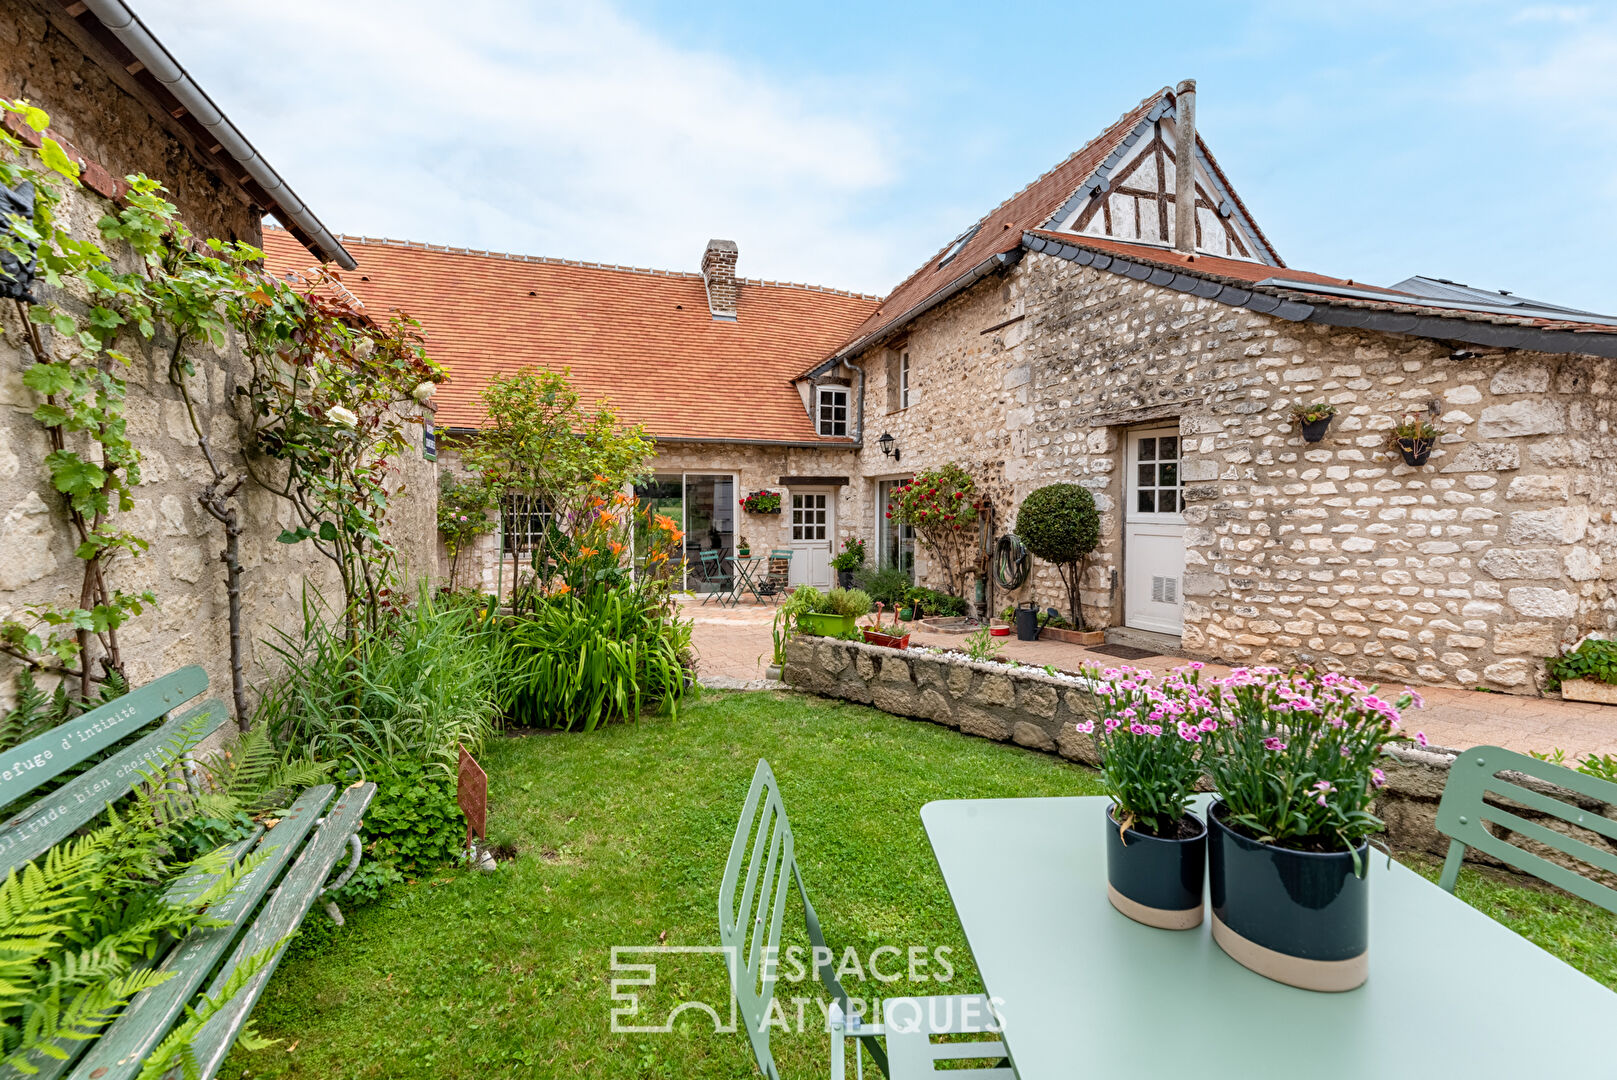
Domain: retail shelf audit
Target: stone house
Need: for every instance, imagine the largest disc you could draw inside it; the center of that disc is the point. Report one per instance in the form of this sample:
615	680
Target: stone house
120	104
705	360
1068	336
1124	324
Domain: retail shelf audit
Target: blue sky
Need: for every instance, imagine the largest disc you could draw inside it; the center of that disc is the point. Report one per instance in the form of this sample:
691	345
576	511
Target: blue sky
843	143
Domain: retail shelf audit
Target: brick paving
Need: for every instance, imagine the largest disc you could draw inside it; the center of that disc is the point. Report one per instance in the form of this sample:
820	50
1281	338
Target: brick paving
734	644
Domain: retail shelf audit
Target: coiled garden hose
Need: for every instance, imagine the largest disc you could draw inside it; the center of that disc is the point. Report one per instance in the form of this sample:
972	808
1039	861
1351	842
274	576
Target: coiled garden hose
1012	563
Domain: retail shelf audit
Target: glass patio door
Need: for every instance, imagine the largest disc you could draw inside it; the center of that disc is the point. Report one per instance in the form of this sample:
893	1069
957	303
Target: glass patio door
703	505
895	542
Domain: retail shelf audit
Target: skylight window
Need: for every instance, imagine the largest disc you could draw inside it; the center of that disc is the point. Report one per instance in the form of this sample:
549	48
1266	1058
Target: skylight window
959	242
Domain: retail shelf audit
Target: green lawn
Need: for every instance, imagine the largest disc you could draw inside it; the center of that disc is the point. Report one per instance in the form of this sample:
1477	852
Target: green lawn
623	835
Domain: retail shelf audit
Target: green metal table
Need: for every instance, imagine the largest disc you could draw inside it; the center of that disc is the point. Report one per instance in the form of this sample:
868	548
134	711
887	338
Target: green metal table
747	576
1085	992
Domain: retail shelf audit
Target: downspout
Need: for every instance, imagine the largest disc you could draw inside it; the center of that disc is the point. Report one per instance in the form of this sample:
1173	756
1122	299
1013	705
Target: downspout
128	29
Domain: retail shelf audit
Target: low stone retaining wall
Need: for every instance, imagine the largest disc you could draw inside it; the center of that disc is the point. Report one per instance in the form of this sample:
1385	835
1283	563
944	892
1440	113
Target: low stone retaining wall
1033	709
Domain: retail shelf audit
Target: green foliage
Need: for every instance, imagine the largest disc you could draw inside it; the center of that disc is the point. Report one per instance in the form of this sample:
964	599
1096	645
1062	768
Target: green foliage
852	555
982	646
942	506
243	781
933	602
1593	659
415	688
846	602
1150	767
1600	766
1059	524
802	600
412	825
463	515
79	925
889	584
77	378
1413	432
1308	414
541	443
581	659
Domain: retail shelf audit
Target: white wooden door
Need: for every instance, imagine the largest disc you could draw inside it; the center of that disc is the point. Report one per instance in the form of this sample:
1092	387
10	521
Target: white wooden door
1154	532
813	524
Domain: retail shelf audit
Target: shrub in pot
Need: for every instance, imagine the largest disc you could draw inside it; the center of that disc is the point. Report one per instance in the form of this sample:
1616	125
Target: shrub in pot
832	613
1148	738
1294	762
1586	673
849	559
1059	524
1313	419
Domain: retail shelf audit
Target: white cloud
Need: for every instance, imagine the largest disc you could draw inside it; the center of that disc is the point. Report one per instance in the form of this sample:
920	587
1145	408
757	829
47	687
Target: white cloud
557	129
1552	13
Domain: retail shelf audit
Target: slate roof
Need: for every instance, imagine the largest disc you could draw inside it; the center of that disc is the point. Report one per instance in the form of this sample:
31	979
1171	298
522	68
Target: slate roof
1302	296
643	339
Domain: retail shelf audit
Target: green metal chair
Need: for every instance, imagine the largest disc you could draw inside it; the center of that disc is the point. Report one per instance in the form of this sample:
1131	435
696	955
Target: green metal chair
779	584
714	574
750	933
1488	772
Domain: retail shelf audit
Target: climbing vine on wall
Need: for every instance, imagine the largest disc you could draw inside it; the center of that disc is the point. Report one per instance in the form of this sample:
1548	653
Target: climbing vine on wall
77	374
320	408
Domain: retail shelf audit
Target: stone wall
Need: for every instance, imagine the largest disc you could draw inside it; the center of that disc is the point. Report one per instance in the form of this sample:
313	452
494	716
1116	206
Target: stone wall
1466	571
1038	711
182	565
110	127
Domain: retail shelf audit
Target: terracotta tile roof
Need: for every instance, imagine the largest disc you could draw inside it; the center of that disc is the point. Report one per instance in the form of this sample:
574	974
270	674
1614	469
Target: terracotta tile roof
643	339
1000	230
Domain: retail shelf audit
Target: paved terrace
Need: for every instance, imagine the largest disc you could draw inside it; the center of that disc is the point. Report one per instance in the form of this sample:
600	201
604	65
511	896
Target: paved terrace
734	644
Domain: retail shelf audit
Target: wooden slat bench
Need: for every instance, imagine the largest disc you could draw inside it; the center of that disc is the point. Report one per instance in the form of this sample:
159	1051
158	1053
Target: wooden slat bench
300	852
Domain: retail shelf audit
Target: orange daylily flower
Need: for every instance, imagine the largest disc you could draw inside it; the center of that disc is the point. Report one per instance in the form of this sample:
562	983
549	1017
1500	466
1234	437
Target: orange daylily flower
663	521
563	589
617	548
588	552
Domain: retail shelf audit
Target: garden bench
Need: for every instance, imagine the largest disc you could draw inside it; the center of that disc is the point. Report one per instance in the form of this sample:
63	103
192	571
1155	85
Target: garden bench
750	934
1485	771
309	838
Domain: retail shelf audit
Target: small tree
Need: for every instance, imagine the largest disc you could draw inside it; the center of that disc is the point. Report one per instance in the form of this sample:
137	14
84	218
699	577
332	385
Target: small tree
540	443
1058	523
942	505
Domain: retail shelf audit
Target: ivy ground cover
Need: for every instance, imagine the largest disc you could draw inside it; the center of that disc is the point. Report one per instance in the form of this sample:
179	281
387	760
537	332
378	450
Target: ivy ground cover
622	837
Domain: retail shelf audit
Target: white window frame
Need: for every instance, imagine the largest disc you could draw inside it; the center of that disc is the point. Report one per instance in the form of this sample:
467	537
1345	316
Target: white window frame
904	379
821	422
523	521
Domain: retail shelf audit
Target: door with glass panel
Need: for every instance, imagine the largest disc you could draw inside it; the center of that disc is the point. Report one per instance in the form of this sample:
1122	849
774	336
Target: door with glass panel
1153	532
895	542
703	507
813	524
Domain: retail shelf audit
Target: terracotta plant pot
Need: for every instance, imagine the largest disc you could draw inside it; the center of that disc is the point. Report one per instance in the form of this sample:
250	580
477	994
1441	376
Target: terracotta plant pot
1415	452
889	641
1297	917
1000	629
1314	430
1155	880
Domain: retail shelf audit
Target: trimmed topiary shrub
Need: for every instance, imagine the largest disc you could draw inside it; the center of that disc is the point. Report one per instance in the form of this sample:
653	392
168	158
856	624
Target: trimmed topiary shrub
1059	524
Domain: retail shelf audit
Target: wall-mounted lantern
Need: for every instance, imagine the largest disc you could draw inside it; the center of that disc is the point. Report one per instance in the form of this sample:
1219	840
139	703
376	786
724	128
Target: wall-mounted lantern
889	446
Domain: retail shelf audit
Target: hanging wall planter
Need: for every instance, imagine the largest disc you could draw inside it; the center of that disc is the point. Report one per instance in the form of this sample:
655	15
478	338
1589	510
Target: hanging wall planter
1414	438
1415	451
761	502
1314	420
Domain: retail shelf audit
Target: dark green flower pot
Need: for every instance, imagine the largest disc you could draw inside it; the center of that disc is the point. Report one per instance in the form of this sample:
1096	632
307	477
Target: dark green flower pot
1297	917
1156	880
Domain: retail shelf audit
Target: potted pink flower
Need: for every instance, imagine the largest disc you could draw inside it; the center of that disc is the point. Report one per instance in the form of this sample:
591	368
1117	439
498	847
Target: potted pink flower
1149	738
1294	760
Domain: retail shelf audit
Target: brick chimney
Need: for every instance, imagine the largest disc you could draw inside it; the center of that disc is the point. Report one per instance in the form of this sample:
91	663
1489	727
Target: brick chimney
719	271
1184	167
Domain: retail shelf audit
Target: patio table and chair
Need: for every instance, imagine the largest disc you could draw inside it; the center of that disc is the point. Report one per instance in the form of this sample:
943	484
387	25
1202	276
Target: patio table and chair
730	577
1075	989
